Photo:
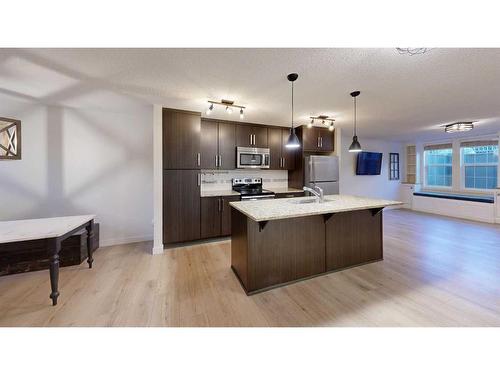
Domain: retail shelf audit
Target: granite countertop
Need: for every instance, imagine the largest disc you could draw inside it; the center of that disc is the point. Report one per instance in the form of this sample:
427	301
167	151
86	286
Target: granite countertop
218	193
34	229
275	209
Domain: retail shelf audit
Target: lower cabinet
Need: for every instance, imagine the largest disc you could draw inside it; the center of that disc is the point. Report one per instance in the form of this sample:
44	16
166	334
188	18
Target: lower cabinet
181	205
216	216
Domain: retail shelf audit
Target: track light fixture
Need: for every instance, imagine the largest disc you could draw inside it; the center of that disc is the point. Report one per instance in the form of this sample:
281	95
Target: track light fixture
323	120
228	104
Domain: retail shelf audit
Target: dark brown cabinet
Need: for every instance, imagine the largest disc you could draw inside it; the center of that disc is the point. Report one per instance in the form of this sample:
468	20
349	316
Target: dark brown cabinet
317	139
251	136
281	156
226	215
181	205
227	145
181	139
210	217
216	216
218	145
275	146
209	140
353	238
288	154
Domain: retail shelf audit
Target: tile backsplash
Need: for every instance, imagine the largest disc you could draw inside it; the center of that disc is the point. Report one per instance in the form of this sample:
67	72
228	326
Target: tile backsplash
221	180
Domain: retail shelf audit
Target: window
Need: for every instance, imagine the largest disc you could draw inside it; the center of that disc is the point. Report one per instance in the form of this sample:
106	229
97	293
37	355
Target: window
393	166
479	164
438	165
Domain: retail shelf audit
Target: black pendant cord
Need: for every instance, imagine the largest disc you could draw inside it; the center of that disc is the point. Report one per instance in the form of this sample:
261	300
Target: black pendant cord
292	108
355	116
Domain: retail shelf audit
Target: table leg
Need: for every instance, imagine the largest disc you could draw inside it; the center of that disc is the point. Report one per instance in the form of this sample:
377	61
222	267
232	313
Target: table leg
54	248
90	240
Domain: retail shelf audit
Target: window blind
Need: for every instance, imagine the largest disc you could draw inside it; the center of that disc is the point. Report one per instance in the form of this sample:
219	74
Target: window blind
438	147
479	143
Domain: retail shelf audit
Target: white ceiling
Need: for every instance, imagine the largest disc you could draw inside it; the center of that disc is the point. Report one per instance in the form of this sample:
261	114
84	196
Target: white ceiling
402	97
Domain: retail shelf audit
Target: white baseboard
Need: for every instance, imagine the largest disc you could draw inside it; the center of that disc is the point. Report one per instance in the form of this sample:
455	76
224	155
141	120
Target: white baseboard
157	250
124	240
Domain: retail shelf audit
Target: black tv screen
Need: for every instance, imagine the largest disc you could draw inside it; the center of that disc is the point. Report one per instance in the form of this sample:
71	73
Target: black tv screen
369	163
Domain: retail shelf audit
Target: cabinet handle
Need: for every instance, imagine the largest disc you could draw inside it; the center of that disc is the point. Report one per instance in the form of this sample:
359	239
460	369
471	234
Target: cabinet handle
198	159
222	205
321	142
199	179
253	137
216	161
220	160
283	166
250	139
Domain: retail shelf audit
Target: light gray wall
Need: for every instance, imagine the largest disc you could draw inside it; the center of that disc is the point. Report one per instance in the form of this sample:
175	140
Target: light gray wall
82	159
369	186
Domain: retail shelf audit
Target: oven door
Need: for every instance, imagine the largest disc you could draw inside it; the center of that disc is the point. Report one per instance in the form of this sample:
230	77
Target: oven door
248	157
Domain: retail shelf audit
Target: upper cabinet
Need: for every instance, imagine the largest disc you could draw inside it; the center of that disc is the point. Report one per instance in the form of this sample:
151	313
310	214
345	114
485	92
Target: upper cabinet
316	139
251	136
281	156
181	139
218	145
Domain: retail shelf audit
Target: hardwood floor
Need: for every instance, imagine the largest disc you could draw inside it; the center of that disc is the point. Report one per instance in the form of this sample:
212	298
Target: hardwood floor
436	271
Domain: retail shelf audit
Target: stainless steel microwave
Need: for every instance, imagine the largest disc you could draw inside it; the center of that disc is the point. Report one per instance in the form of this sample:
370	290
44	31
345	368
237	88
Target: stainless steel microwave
251	157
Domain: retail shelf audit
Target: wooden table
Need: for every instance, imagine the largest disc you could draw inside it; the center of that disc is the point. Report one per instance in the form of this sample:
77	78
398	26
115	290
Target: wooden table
54	230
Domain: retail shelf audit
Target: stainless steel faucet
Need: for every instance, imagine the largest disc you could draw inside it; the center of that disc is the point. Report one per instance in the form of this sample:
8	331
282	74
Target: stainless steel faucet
317	192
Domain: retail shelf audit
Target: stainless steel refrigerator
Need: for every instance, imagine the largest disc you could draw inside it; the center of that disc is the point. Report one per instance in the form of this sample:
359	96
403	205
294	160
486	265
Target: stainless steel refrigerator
322	171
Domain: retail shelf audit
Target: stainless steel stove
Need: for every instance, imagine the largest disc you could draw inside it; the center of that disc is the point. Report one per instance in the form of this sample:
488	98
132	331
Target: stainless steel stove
251	189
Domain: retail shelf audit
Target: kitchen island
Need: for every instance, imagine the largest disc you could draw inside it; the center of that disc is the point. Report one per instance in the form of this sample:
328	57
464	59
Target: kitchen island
278	241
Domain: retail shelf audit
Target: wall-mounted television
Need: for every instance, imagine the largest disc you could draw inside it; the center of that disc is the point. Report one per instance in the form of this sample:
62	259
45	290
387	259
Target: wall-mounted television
369	163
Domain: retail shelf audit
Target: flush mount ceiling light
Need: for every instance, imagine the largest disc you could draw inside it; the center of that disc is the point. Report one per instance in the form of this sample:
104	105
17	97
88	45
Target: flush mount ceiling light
229	104
355	146
323	120
412	51
461	126
293	140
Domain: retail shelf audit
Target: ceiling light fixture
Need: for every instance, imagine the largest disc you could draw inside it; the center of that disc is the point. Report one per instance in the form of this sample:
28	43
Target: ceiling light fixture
412	51
293	140
461	126
229	104
323	120
355	146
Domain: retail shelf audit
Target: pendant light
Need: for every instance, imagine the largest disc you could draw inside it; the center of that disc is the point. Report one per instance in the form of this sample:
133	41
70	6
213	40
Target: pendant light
355	146
293	140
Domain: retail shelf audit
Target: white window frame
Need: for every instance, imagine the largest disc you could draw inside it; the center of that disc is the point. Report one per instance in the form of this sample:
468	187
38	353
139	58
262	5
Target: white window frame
462	171
437	187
